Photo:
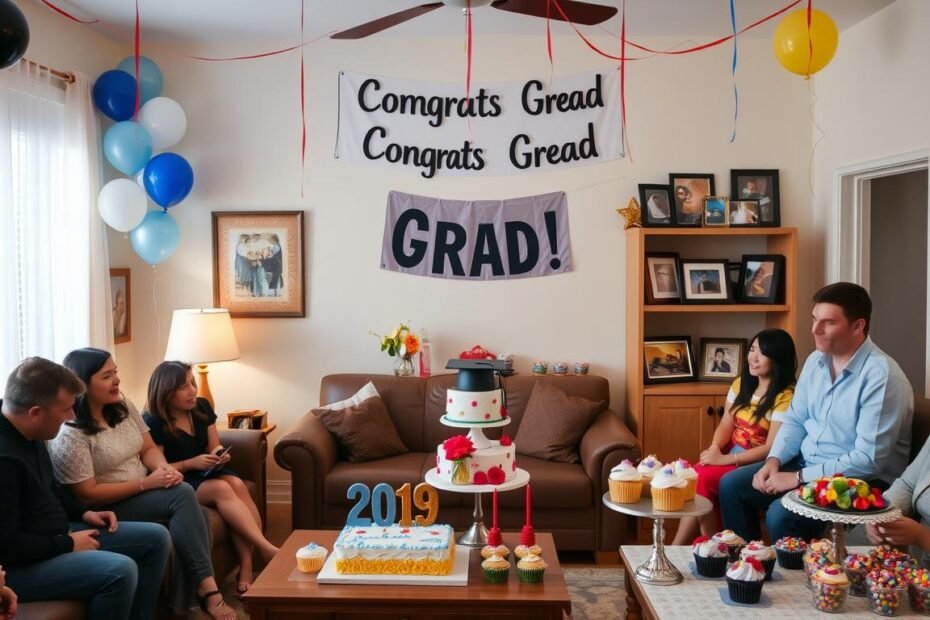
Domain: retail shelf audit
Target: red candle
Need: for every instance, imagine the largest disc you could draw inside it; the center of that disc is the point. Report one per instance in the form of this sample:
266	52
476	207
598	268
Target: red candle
495	508
528	505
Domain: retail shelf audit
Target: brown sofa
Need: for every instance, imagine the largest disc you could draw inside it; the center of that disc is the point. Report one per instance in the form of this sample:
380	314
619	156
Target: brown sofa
566	497
249	451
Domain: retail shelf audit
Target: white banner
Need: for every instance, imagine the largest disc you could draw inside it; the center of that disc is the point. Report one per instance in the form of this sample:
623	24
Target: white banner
503	128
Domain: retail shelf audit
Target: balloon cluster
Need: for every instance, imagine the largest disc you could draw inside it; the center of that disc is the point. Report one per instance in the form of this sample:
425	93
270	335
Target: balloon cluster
166	178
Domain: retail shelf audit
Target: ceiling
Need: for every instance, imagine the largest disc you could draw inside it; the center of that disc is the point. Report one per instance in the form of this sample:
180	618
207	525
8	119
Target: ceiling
230	21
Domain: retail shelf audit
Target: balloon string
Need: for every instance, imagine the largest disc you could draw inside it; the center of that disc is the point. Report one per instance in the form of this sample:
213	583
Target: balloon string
624	138
821	135
303	112
810	41
136	45
549	39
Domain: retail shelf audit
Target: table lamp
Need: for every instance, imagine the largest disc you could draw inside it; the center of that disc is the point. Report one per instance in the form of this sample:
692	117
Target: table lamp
200	337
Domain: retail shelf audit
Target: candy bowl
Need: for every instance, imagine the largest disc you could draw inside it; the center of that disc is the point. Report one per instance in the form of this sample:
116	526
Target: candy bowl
919	591
887	593
857	567
829	587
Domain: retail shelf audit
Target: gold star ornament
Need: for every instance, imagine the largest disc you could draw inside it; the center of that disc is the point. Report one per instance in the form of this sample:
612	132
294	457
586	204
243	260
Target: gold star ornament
631	214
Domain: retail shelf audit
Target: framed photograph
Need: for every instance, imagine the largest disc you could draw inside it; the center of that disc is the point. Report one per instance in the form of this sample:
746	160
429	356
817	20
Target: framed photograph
258	263
715	211
705	281
760	277
656	201
688	191
744	213
121	305
722	359
667	360
663	284
761	185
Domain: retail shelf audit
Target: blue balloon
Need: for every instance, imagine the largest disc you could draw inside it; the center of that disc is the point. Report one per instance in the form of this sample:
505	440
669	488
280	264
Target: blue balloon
151	80
127	146
156	238
168	179
115	94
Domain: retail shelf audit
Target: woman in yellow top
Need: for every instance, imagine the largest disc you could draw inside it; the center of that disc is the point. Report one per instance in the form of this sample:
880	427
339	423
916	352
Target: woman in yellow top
756	404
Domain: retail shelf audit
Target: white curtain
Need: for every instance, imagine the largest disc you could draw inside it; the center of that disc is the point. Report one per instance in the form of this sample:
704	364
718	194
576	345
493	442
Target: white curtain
54	275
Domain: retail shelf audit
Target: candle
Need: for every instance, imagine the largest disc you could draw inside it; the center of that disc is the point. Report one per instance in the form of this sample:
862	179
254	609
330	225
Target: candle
528	505
495	508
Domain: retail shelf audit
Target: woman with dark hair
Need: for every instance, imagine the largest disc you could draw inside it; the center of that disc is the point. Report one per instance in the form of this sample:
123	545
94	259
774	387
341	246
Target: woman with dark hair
107	458
185	428
756	405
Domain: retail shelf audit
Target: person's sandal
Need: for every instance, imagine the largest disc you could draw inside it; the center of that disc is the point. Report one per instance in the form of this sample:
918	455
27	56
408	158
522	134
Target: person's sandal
229	612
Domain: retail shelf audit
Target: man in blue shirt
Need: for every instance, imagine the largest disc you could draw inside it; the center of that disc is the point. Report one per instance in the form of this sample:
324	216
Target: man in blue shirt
851	414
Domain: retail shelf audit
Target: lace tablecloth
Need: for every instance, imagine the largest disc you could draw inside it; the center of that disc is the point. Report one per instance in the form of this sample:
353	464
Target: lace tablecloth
785	596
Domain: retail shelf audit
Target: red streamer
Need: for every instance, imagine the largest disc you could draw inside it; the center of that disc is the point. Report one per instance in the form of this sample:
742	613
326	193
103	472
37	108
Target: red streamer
468	49
810	41
68	15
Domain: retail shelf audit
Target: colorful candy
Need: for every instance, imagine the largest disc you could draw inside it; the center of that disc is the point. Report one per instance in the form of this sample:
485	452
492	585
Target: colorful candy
829	587
857	567
887	590
919	590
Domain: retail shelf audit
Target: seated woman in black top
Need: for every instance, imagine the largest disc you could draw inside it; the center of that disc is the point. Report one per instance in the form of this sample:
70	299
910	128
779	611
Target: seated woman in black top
185	427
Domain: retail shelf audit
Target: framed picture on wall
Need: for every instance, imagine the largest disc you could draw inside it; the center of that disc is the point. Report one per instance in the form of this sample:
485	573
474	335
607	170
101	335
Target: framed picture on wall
721	359
667	360
688	191
121	304
258	263
656	201
761	185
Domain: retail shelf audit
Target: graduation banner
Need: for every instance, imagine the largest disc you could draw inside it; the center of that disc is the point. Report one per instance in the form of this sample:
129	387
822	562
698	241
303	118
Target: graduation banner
503	128
476	239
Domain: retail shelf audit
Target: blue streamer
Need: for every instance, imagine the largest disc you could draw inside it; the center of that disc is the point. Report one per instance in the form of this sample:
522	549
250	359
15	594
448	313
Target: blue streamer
733	70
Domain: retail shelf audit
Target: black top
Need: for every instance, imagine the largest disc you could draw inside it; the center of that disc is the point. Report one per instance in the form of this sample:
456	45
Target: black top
34	508
184	446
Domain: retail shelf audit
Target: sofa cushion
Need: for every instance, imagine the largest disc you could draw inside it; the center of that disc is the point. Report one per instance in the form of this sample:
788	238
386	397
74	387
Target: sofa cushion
556	486
364	431
554	423
367	391
395	471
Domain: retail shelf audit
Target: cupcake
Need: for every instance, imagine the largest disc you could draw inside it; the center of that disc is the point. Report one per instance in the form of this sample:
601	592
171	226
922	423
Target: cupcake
829	586
790	552
625	483
668	490
857	567
710	557
744	581
732	540
762	552
687	472
495	569
310	558
648	467
489	550
531	569
919	590
522	551
814	561
886	592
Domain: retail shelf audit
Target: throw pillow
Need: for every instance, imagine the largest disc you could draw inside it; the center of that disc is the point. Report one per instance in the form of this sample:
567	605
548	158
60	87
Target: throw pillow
554	423
364	431
368	390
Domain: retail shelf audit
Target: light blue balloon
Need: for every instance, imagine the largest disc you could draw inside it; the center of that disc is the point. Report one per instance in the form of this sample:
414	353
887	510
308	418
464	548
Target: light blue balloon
151	80
127	146
156	238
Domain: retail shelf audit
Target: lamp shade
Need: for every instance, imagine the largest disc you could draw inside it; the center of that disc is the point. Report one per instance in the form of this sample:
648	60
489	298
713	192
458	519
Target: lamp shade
201	336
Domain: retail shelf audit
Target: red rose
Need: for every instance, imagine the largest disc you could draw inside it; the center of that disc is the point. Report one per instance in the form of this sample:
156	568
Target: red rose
506	440
496	475
458	447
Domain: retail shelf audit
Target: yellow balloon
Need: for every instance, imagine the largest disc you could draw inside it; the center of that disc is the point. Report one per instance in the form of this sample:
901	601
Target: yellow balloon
793	48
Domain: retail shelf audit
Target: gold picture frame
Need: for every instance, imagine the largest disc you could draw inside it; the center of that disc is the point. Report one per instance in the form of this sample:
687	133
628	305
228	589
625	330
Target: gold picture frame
121	304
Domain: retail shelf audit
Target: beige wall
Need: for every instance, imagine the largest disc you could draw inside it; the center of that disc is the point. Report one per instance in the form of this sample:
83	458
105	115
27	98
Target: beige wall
243	143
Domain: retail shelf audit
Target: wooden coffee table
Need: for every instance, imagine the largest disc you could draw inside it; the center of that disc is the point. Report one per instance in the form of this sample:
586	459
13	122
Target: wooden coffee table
276	595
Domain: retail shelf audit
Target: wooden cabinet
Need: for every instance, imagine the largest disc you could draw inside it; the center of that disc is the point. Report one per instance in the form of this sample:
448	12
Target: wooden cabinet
680	426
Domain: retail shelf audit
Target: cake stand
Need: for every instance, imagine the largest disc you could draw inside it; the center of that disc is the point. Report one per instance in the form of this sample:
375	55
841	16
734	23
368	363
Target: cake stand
477	534
839	519
658	570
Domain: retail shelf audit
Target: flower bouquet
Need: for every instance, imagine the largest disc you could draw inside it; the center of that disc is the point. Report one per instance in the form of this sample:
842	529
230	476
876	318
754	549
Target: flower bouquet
458	449
403	344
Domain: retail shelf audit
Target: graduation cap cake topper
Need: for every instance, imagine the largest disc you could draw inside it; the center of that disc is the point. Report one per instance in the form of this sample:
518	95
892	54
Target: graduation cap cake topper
476	375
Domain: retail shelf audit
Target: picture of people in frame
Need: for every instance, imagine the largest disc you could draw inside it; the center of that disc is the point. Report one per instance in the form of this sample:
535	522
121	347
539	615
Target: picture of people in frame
259	264
665	279
744	212
704	281
721	359
689	199
759	279
761	185
657	207
668	359
715	211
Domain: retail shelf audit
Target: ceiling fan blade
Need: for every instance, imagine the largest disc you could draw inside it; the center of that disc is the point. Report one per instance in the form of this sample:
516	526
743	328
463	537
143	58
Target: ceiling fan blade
583	13
383	23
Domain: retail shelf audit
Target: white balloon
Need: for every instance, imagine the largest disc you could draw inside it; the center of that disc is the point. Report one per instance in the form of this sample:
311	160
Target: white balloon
165	120
122	204
139	178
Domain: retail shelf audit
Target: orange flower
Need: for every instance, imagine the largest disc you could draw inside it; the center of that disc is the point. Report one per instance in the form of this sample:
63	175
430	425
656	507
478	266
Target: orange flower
411	344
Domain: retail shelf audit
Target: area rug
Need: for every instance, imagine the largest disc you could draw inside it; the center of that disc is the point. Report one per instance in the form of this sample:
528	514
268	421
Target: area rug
596	593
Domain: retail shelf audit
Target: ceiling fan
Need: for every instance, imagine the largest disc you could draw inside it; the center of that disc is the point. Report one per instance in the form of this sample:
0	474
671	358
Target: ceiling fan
584	13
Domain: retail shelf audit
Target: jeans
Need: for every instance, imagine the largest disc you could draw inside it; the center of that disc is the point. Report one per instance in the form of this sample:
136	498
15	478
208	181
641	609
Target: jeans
741	503
121	580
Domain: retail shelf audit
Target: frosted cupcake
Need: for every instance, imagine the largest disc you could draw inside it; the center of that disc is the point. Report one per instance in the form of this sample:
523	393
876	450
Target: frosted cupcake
489	550
625	483
829	586
522	551
495	569
744	581
648	467
310	558
710	557
732	540
762	552
683	467
668	490
531	569
790	552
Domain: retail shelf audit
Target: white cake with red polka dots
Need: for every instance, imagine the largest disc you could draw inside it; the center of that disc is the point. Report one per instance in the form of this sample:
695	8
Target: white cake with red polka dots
495	464
475	408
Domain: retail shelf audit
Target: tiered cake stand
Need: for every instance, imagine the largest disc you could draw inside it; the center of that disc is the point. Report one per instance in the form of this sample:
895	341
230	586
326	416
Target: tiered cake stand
477	534
839	519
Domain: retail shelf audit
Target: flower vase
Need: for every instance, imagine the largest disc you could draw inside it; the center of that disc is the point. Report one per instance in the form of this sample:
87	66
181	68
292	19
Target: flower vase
460	473
403	367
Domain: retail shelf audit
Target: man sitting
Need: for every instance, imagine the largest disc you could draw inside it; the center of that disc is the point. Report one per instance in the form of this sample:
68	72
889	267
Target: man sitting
851	414
49	543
